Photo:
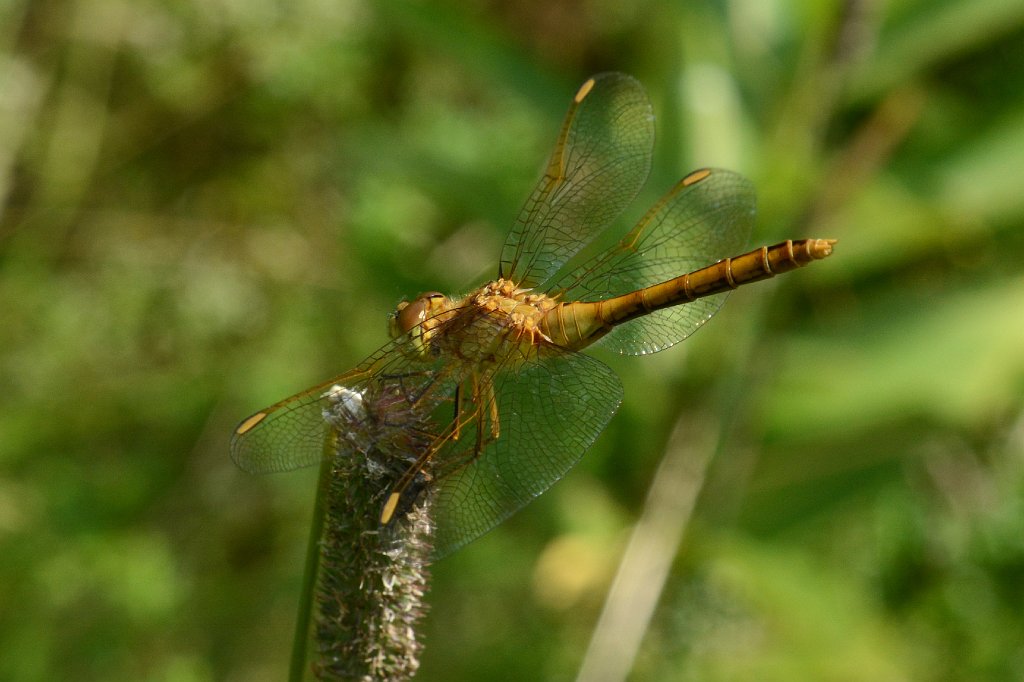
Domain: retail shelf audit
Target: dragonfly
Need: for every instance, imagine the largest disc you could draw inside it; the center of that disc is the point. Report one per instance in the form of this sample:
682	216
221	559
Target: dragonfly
480	402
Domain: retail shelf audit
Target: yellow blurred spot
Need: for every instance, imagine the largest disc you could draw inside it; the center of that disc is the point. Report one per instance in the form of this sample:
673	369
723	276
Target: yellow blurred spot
569	568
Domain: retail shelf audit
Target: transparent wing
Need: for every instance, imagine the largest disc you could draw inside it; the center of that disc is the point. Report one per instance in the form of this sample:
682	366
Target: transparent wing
706	217
293	433
600	162
550	411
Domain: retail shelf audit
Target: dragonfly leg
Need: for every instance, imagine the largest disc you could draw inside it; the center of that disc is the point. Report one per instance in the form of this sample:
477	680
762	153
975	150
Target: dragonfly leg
458	411
405	486
483	406
484	403
492	402
477	406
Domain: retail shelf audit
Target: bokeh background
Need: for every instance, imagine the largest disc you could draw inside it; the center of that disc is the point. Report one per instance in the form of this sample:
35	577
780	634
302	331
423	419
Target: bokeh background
210	204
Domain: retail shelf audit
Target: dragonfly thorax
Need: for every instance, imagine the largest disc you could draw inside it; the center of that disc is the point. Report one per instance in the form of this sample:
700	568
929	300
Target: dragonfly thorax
516	312
521	305
486	326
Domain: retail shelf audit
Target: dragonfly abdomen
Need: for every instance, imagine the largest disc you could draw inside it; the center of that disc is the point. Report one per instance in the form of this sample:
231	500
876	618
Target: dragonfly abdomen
578	324
724	275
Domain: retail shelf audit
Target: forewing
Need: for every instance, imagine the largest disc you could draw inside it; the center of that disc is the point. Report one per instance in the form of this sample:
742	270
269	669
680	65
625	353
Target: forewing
706	217
293	433
550	411
600	162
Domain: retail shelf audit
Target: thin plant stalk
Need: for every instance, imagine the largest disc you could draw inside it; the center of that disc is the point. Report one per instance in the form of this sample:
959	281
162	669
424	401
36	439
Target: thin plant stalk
303	620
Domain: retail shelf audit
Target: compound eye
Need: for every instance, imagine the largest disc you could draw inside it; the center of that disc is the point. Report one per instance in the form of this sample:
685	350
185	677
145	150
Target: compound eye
409	315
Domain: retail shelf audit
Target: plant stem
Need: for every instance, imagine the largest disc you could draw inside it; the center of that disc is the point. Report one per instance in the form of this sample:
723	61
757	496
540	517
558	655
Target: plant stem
303	621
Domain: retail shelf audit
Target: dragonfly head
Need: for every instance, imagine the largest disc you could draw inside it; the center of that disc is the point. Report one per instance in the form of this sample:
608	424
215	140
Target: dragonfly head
409	315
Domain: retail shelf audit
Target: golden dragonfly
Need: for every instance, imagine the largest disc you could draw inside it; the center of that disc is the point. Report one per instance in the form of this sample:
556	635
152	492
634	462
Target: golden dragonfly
480	402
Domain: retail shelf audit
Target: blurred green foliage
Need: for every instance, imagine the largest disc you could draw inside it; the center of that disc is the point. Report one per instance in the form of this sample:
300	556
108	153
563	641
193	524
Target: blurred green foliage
207	206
